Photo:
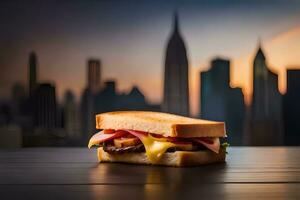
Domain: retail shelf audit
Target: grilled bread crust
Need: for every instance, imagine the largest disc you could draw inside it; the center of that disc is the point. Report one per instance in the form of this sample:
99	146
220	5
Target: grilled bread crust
167	125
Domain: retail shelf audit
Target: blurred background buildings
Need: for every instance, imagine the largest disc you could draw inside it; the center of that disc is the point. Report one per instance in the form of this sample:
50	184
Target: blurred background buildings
176	79
34	116
218	101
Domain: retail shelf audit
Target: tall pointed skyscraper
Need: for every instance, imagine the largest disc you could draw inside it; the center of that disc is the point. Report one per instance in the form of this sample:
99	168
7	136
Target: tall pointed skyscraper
176	79
32	72
265	117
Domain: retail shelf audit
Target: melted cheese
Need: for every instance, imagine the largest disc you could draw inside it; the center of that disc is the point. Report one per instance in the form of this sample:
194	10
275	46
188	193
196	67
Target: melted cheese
154	147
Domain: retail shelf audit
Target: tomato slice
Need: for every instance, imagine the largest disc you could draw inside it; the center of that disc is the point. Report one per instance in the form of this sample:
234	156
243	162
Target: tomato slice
108	131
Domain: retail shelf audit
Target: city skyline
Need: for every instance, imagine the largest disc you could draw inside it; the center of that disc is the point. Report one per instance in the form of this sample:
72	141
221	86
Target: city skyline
145	68
35	111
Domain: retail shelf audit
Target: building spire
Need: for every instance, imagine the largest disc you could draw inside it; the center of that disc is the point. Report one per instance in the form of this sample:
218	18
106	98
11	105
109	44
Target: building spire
176	76
176	23
260	53
32	72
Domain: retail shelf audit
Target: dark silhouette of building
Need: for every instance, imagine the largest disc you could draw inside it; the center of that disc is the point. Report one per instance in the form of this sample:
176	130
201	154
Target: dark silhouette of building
220	102
291	108
87	113
176	78
106	99
20	106
28	107
45	106
32	72
134	100
87	103
18	98
264	126
70	115
94	75
18	92
109	100
6	114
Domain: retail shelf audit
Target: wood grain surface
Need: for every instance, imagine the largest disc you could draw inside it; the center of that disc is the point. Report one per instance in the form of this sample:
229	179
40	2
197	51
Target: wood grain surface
74	173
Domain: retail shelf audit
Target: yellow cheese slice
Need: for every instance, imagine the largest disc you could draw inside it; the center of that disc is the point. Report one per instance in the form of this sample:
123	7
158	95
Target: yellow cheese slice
155	148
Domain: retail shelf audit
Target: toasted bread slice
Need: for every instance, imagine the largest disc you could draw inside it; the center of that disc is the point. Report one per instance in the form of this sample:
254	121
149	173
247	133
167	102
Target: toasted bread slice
175	159
165	124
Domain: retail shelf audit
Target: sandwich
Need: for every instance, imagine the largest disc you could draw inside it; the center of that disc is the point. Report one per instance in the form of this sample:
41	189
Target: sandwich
155	138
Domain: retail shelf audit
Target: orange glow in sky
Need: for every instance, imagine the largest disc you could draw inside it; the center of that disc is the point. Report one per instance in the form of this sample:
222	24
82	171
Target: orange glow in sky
282	52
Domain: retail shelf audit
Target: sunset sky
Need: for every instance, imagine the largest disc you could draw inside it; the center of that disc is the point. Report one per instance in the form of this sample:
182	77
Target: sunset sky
130	38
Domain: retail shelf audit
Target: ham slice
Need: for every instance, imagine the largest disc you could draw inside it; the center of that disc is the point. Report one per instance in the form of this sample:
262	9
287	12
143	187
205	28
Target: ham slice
137	134
210	143
102	137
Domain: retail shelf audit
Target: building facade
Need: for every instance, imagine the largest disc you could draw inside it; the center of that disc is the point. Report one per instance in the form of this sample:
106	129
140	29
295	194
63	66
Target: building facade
32	73
88	98
264	123
176	74
45	107
291	108
94	75
220	102
70	116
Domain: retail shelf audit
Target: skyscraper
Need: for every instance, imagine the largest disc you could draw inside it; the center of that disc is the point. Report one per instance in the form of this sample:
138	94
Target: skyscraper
87	104
176	77
87	114
70	115
32	72
221	102
45	106
19	105
94	75
291	108
264	125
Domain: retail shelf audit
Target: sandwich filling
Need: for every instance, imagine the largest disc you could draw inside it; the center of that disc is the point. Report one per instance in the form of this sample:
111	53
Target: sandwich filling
122	141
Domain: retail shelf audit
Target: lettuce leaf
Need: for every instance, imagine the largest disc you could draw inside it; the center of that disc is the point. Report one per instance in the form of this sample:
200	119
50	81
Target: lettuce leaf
225	145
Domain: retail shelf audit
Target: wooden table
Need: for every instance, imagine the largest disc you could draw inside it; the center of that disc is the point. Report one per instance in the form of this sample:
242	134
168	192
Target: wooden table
73	173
